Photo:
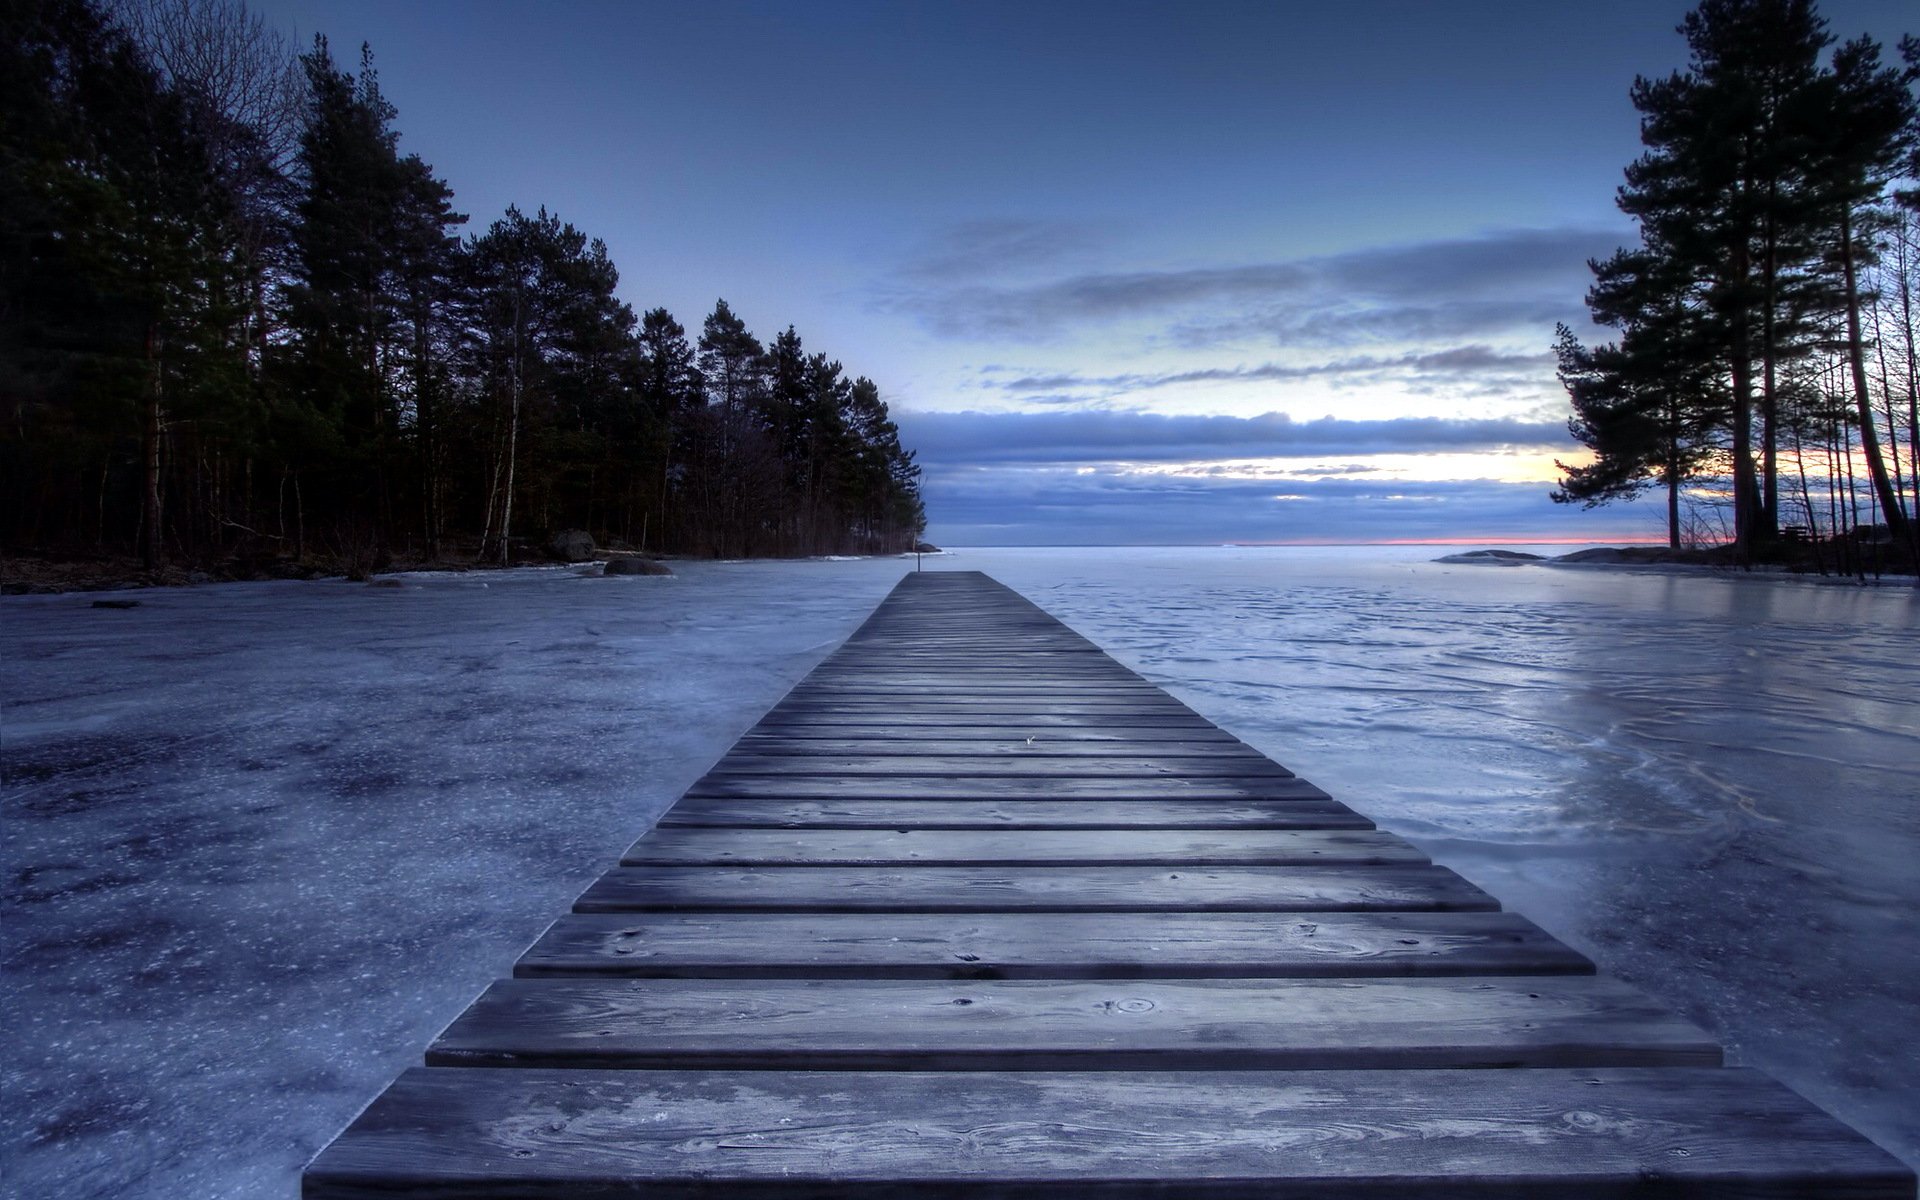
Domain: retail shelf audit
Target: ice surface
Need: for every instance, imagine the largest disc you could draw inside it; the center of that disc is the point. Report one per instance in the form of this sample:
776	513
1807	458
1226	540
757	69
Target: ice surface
1709	783
262	841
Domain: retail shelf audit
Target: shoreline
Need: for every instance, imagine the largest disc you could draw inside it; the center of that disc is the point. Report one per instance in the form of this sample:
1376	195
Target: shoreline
40	575
43	575
1648	560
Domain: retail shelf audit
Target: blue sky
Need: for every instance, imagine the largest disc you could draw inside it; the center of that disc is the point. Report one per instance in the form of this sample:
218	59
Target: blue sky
1126	272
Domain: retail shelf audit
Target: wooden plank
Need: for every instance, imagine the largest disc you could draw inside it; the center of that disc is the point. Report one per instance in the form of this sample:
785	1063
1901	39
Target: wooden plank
875	734
1109	766
1133	712
1013	814
1174	724
1572	1134
1009	659
1145	699
1218	1025
1011	676
934	688
1011	788
989	667
1413	888
1026	945
675	846
1031	746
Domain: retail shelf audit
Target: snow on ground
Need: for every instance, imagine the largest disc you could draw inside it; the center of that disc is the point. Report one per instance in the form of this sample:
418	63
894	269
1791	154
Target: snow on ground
1709	783
262	841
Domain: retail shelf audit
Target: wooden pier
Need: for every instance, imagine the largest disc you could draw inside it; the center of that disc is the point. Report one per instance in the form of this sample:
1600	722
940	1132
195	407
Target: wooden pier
976	911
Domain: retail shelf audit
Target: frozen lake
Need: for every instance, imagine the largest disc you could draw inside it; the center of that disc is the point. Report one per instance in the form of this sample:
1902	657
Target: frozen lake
262	841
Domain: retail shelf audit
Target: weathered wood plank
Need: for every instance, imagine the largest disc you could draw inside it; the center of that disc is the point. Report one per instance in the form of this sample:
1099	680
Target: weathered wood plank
1414	888
931	787
1004	667
1146	699
1012	814
1034	745
963	711
935	687
677	846
1572	1134
876	733
1112	766
1220	1025
1176	724
1026	945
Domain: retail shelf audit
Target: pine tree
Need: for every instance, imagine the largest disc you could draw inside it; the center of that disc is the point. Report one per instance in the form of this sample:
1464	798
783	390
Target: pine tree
1718	194
670	389
111	270
371	242
740	471
552	347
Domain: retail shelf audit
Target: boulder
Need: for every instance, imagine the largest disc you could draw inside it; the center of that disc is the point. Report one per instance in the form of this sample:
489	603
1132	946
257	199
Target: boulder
636	566
571	545
1629	555
1497	558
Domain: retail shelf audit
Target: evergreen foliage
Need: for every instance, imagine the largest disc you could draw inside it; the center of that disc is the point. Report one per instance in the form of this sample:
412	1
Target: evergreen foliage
237	321
1763	197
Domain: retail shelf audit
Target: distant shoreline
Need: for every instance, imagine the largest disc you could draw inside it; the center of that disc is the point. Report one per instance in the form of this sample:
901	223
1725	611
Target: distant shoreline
34	574
1718	560
50	575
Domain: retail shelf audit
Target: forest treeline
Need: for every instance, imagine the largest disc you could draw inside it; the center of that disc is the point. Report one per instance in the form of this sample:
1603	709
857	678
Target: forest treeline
237	320
1764	373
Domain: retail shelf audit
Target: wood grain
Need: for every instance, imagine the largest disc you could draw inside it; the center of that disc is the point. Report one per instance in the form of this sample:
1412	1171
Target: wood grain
1033	745
1015	787
1087	767
1185	1025
1056	733
1013	814
1570	1134
828	848
1026	945
1035	889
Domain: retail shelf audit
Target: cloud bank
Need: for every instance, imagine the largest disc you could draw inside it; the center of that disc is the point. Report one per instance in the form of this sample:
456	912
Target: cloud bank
954	440
1027	506
1457	327
1445	287
1141	478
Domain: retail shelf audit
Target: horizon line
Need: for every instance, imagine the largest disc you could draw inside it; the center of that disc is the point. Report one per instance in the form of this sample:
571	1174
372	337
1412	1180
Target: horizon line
1313	542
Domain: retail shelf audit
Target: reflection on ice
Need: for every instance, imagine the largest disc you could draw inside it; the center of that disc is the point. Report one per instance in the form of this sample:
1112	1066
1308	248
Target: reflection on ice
1709	783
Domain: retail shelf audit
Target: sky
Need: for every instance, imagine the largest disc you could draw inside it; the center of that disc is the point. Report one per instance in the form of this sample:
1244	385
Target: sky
1125	273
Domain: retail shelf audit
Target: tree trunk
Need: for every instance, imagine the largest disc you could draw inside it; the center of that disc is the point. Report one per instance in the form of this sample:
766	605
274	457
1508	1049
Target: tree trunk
1746	491
1673	507
1897	522
150	545
1769	526
513	441
1806	500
